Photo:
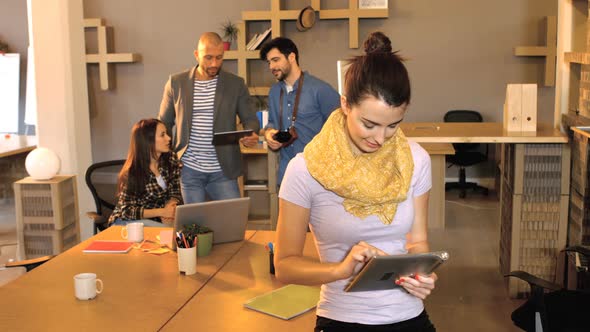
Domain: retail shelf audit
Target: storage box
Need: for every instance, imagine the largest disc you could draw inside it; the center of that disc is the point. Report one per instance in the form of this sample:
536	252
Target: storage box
579	210
48	204
534	211
47	215
520	108
38	243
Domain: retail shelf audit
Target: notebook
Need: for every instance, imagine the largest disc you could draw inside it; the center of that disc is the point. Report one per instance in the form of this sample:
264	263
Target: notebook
109	247
286	302
226	218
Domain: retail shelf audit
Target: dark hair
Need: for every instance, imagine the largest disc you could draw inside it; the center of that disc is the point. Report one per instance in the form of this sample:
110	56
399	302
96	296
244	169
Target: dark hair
285	45
379	73
135	171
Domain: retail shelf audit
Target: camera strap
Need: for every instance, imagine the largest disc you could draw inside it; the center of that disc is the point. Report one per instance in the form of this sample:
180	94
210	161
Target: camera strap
297	95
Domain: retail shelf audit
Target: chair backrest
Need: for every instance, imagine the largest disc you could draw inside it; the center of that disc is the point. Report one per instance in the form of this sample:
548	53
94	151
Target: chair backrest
463	116
101	179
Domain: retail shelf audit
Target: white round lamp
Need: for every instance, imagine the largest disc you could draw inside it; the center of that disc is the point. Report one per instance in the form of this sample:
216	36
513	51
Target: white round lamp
42	164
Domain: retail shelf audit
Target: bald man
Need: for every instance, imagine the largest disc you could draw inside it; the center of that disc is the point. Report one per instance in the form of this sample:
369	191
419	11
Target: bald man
197	103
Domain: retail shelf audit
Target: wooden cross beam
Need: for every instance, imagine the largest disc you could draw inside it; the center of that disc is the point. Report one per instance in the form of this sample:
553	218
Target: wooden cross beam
353	14
549	51
275	16
103	57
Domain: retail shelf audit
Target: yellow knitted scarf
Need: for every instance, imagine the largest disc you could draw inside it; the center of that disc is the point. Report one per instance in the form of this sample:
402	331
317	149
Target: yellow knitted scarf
370	183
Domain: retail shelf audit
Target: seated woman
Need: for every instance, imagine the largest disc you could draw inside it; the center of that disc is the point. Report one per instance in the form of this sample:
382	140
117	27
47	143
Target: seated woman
149	182
362	188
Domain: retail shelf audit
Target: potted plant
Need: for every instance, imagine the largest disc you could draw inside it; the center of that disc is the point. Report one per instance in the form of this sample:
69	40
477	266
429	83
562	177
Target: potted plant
204	237
230	33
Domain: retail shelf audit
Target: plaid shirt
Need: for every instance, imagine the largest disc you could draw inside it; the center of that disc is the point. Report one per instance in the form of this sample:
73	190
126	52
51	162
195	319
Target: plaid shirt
130	206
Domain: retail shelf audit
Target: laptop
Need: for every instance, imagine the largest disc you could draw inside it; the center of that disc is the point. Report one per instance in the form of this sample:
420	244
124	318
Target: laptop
226	218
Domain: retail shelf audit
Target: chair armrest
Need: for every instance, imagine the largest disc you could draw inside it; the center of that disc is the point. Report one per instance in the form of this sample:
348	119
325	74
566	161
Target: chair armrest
97	218
30	264
533	280
584	250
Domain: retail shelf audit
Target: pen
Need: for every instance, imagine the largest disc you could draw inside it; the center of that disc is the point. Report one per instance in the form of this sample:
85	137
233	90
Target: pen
178	242
184	240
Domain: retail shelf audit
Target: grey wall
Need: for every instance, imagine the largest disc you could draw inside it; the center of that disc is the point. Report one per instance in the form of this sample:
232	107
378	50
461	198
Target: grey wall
460	53
14	32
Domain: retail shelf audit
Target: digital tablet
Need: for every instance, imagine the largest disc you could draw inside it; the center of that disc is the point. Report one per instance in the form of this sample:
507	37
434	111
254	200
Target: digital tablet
380	272
230	137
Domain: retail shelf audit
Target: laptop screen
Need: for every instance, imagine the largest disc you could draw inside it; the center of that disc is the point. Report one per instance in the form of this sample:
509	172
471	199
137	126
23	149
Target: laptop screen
226	218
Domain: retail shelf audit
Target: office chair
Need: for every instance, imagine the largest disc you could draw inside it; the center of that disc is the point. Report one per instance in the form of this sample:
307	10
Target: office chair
13	270
560	309
104	194
466	154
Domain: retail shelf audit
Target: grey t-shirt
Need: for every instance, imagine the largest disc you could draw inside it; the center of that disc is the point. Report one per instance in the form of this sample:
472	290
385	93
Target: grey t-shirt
336	231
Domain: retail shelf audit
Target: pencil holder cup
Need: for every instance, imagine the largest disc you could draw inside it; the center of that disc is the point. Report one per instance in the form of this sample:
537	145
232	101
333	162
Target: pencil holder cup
271	262
187	260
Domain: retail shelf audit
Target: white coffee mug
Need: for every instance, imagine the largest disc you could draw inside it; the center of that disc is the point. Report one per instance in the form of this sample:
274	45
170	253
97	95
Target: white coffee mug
133	232
86	286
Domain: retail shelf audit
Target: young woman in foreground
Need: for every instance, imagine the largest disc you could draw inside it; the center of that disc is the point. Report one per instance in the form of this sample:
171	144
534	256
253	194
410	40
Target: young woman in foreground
362	188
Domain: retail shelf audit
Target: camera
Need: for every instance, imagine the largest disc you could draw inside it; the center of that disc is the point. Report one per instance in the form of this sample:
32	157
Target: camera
282	136
287	137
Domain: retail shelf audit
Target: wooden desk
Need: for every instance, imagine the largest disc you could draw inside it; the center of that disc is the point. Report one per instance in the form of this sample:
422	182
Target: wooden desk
141	291
534	192
13	151
436	205
431	133
478	132
219	305
16	144
436	202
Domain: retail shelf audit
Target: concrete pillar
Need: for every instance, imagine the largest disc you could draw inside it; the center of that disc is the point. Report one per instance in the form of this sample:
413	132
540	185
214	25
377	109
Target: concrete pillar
56	33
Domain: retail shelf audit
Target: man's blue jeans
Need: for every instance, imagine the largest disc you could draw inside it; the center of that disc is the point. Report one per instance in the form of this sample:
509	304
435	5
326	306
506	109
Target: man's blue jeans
196	185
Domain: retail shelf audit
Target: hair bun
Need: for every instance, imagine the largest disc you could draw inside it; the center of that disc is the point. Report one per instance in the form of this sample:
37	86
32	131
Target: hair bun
377	42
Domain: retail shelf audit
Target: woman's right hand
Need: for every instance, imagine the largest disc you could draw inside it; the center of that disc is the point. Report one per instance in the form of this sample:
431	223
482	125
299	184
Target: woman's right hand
358	255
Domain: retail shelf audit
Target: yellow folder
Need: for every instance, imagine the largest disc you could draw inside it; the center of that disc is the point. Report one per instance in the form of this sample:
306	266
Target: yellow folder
286	302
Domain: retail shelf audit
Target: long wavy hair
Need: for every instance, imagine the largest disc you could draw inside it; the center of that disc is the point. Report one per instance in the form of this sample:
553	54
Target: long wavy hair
142	146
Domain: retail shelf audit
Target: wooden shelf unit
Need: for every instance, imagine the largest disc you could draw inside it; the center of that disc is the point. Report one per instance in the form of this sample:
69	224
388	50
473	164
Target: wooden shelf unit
260	184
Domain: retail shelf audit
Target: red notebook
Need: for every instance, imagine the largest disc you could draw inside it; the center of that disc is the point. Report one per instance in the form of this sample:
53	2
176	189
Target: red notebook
109	247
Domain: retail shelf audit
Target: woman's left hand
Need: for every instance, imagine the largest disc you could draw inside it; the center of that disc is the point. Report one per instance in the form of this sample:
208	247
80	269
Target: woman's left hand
419	285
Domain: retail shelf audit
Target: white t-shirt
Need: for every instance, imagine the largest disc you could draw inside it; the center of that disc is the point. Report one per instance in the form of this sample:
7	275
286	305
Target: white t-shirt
336	231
